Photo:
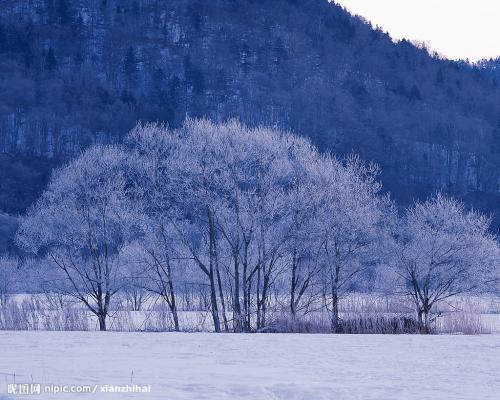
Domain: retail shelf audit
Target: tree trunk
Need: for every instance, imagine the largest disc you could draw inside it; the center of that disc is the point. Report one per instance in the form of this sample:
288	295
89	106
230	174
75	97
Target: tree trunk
173	306
102	307
213	303
102	321
259	324
336	327
236	301
246	298
265	289
213	293
293	288
423	321
219	281
248	288
137	300
176	318
221	295
247	284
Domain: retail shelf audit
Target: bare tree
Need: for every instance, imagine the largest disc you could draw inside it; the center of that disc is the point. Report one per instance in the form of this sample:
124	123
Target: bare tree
220	195
251	221
443	251
81	223
248	206
154	151
352	214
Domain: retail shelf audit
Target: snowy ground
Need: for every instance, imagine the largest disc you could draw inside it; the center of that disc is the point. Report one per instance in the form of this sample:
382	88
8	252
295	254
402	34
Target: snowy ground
255	366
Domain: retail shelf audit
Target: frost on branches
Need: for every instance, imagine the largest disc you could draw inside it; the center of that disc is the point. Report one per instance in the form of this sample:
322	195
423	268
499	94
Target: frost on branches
252	219
444	250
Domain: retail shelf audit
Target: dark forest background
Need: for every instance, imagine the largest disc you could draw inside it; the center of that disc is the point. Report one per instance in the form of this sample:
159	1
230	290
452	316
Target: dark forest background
77	72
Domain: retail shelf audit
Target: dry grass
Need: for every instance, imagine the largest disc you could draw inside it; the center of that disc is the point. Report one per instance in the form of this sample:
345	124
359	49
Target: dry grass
359	313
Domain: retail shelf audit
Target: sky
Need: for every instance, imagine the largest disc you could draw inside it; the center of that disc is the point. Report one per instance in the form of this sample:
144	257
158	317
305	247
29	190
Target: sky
454	28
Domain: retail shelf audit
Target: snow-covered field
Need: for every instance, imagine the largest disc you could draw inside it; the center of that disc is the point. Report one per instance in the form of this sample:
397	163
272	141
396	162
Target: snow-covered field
255	366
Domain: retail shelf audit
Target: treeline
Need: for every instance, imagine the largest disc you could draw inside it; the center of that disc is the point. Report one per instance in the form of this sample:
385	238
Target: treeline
74	73
251	217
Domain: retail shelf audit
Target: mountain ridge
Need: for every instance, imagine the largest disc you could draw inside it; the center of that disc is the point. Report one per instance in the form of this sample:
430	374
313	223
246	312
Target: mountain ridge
77	72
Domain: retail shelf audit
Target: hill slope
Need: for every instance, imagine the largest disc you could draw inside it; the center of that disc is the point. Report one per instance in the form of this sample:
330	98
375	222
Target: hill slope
74	72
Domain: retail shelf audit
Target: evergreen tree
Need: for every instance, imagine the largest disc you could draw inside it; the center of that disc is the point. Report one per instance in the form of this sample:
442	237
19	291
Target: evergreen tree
130	64
64	12
415	93
50	60
3	39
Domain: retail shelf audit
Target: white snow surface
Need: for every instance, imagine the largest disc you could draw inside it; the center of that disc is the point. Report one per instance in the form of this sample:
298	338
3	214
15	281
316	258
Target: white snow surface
256	366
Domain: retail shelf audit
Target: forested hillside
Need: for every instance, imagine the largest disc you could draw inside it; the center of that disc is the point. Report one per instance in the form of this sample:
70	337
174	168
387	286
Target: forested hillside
76	72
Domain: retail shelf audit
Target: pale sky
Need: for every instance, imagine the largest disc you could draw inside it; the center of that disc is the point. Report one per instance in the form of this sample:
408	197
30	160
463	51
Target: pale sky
454	28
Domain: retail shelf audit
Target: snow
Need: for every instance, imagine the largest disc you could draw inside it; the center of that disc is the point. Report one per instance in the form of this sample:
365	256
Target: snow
256	366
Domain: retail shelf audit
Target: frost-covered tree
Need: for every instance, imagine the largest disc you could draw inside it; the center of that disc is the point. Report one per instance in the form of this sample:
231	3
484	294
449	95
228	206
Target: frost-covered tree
303	253
257	198
157	160
352	216
205	186
444	250
81	224
229	199
179	204
260	216
254	220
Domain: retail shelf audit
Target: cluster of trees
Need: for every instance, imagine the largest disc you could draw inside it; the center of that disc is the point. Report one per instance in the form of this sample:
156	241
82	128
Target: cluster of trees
250	216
